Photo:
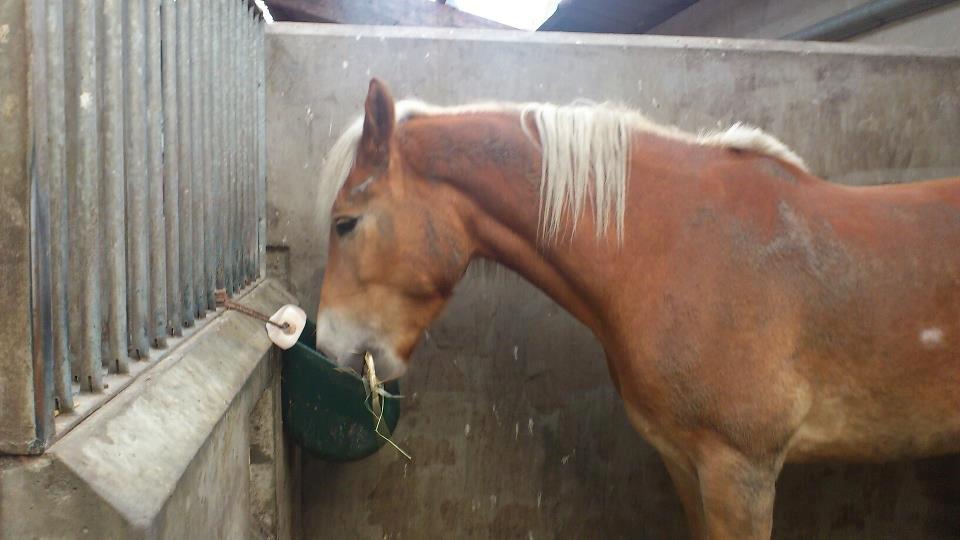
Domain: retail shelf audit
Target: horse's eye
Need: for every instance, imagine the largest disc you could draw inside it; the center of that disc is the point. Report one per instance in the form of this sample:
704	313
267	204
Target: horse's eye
344	225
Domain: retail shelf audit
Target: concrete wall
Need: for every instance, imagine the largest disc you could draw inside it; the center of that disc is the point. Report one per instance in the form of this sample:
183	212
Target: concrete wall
511	419
192	449
771	19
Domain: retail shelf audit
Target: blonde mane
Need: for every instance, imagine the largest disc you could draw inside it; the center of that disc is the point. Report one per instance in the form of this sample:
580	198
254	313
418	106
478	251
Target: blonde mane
585	150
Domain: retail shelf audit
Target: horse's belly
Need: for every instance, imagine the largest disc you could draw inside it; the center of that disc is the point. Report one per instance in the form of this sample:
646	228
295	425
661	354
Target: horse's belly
850	429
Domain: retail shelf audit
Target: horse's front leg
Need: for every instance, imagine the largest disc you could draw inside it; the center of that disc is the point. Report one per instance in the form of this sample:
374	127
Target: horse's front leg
737	493
682	470
688	488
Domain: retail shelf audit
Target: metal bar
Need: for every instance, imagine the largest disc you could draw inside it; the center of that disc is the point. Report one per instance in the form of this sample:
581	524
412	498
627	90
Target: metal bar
250	218
252	113
85	200
245	111
231	136
59	223
113	189
863	18
171	167
22	421
196	142
156	327
184	100
241	171
135	163
41	335
71	103
200	157
227	141
257	141
218	148
238	190
244	144
262	149
222	53
232	78
40	305
209	159
241	150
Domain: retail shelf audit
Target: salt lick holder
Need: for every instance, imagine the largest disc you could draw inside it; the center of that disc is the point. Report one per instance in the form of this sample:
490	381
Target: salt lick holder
331	412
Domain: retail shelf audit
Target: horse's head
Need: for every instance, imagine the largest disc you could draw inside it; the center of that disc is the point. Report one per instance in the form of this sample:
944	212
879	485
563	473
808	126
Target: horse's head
397	248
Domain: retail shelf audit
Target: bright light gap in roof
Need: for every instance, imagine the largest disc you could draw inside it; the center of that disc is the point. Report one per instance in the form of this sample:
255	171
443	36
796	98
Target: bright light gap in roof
523	14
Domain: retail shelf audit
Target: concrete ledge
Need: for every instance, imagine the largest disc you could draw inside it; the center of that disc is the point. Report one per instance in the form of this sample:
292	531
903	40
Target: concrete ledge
169	456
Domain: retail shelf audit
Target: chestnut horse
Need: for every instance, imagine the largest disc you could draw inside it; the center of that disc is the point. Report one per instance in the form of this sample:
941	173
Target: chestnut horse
750	312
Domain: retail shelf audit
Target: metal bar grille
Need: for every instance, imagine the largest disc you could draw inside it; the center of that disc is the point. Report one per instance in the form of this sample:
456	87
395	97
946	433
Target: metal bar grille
152	179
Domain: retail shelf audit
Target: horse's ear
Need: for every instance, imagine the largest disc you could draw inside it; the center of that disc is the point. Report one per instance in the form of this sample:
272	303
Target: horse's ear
378	123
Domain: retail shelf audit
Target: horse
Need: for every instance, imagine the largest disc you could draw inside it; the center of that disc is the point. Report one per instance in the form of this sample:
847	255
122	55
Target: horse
750	312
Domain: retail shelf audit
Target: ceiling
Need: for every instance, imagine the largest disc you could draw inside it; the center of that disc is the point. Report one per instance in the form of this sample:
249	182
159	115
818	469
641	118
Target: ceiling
603	16
613	16
377	12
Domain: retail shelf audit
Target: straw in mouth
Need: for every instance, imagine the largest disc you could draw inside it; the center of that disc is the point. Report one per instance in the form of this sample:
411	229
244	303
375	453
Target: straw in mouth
375	389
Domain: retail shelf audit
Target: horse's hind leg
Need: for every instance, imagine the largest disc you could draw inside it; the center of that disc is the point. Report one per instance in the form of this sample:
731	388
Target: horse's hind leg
737	494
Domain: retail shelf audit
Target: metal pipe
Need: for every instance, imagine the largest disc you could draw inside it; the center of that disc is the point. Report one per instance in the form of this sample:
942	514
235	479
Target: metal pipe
158	249
241	170
219	139
244	146
224	70
135	163
241	149
39	305
262	140
38	312
171	167
196	143
251	219
232	143
209	160
254	148
232	112
184	99
863	18
113	192
85	207
227	115
261	148
59	221
249	111
254	144
71	90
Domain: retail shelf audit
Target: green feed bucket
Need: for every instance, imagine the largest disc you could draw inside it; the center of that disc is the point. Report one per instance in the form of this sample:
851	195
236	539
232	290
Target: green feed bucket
326	410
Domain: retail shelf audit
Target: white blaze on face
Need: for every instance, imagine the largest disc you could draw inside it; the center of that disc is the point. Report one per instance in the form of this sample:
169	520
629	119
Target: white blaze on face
931	337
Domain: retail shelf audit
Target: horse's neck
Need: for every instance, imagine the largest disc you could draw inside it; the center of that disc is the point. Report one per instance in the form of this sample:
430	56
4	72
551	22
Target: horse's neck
489	158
